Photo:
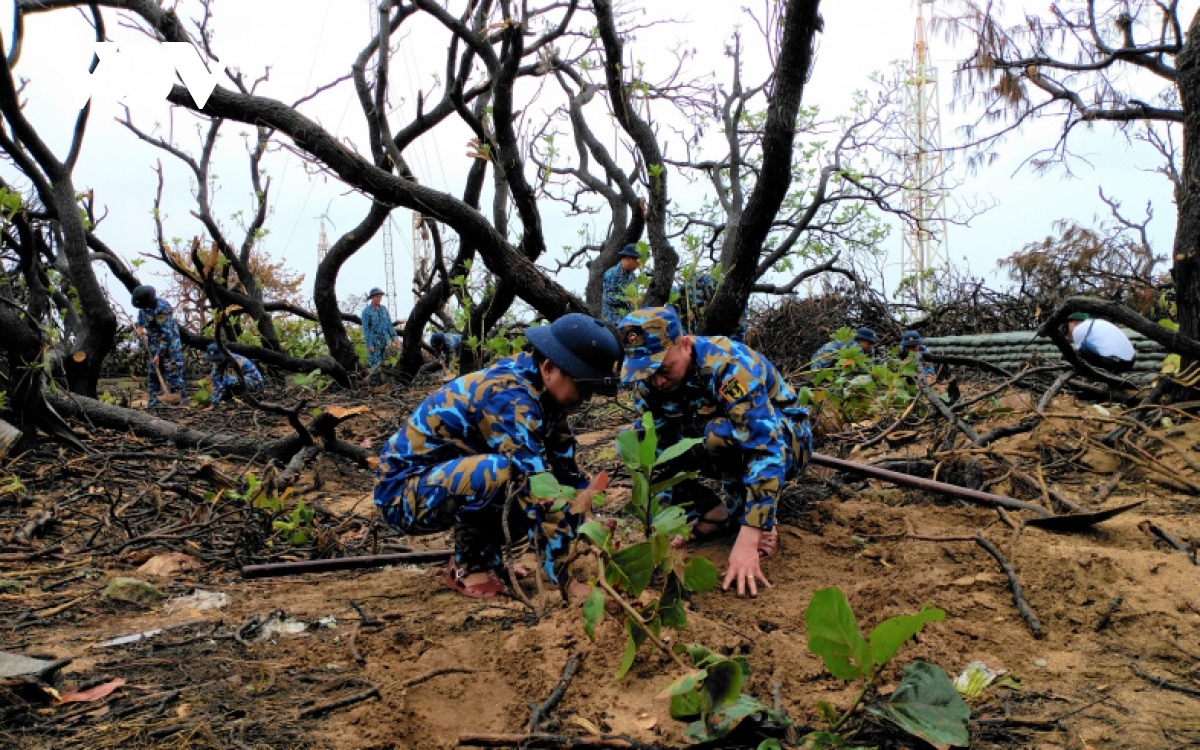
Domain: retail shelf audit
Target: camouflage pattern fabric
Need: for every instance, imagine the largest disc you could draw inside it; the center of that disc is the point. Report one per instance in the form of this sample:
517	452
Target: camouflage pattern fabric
756	436
162	336
450	348
692	299
614	304
928	369
225	383
377	332
827	354
461	453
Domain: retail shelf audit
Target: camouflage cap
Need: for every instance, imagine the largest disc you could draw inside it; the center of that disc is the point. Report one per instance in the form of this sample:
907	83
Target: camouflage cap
647	334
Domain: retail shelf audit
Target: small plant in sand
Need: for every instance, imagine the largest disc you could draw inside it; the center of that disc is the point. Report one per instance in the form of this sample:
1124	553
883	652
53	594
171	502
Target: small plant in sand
925	703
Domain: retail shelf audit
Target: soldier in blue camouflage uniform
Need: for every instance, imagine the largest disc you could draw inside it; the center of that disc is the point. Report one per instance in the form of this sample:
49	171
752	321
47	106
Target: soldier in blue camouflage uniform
157	327
378	331
910	342
864	338
448	346
225	383
692	298
756	436
615	303
480	437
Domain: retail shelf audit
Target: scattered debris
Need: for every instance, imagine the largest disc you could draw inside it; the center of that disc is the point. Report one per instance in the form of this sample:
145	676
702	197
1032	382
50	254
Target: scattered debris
91	694
169	564
198	601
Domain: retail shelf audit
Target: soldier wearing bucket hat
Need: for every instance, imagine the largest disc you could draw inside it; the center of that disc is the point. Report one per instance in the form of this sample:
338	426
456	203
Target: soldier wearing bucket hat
756	435
615	303
378	331
158	329
225	382
864	338
483	435
912	343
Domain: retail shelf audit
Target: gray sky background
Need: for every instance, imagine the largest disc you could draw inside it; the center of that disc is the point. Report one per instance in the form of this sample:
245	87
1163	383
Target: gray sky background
310	42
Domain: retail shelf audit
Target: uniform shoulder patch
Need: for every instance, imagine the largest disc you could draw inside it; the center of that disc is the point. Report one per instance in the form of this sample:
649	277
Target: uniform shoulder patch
733	389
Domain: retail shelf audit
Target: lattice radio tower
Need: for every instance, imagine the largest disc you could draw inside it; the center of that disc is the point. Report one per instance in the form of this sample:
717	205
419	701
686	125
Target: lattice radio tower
322	243
422	255
925	254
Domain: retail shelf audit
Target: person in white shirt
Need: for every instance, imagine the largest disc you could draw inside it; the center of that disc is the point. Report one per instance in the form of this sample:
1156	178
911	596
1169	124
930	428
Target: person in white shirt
1100	343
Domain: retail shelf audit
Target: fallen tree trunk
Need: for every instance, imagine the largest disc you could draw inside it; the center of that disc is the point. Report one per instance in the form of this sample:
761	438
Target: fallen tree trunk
321	428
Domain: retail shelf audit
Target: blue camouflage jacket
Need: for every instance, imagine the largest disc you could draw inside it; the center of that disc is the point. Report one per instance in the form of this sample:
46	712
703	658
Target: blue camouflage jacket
827	354
498	410
223	380
730	380
162	332
692	299
615	305
377	325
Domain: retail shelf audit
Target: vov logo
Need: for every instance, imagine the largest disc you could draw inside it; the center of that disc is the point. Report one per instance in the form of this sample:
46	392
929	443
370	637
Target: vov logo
141	74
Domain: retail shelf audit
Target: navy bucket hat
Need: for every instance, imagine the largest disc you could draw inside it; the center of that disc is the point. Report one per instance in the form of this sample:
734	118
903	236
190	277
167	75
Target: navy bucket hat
865	334
213	353
582	347
376	292
630	251
143	297
911	338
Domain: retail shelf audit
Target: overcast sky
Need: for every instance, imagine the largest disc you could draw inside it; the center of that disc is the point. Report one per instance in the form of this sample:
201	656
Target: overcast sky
310	42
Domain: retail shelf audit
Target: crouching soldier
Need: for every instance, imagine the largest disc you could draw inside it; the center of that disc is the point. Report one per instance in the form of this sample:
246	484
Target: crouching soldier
756	435
225	383
480	437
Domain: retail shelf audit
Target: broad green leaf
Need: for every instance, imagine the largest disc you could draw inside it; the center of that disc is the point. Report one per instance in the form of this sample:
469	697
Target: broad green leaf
670	607
657	488
593	612
889	635
660	545
926	705
596	532
648	449
723	684
725	719
637	565
627	447
699	575
678	449
639	498
683	684
699	654
834	636
671	522
546	487
686	705
631	648
771	744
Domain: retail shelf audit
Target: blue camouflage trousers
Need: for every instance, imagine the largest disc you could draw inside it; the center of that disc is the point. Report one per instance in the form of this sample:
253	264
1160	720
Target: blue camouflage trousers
171	364
721	457
469	495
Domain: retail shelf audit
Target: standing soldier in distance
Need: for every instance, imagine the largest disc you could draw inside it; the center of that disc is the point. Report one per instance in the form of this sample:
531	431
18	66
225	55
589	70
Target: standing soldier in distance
615	304
157	328
378	331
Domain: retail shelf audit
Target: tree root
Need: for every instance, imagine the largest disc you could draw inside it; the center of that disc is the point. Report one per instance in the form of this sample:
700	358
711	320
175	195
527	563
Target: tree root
538	712
1014	584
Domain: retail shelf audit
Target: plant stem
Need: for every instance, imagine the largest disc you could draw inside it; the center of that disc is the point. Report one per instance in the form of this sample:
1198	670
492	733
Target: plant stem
637	618
867	683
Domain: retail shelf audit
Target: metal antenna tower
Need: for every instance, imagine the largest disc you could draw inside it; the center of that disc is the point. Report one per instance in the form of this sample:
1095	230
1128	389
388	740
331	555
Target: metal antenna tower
389	263
422	255
322	243
925	252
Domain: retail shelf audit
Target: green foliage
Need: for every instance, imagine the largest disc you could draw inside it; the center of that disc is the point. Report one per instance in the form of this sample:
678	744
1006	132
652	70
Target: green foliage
314	381
926	704
858	386
711	694
201	397
301	338
297	526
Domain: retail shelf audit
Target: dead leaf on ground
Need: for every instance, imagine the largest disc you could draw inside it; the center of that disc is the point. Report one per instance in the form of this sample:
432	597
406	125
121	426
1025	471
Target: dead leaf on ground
342	412
168	564
91	694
